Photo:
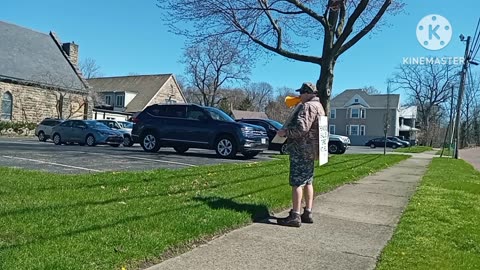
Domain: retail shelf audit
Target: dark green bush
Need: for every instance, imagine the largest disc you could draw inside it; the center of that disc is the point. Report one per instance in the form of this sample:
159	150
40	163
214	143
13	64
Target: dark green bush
16	126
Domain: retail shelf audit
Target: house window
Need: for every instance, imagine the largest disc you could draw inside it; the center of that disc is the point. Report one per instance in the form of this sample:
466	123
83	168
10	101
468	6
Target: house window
362	130
363	113
7	106
333	114
108	100
331	129
355	113
120	100
354	130
356	100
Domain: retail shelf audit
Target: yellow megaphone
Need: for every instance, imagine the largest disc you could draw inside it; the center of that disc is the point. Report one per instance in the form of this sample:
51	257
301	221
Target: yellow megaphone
292	101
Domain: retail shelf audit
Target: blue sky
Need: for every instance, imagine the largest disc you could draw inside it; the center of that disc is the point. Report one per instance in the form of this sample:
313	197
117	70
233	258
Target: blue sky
128	36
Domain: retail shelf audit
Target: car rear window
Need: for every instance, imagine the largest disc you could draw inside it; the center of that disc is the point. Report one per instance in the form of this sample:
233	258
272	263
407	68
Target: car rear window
50	122
176	111
155	110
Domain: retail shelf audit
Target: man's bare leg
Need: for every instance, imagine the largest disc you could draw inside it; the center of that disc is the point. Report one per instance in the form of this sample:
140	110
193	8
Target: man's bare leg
297	193
308	193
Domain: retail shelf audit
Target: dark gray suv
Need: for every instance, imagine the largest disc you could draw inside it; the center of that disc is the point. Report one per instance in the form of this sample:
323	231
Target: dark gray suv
184	126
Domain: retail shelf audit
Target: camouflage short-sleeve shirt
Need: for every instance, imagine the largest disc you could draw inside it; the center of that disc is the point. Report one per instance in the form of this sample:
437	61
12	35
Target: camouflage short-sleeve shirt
302	131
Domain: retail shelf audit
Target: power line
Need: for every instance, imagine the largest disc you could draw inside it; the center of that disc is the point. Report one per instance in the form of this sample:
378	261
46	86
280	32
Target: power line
475	36
476	43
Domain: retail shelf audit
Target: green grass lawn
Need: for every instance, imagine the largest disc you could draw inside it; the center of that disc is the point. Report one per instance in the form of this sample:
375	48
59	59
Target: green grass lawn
110	220
414	149
441	227
446	152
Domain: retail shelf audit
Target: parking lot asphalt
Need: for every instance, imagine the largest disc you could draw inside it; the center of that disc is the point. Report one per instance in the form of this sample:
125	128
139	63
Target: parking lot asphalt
29	153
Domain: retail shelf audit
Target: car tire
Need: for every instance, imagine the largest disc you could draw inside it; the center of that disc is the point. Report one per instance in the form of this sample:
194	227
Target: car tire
41	136
251	154
283	149
150	142
90	140
127	141
372	145
333	148
394	146
180	149
115	145
57	139
226	147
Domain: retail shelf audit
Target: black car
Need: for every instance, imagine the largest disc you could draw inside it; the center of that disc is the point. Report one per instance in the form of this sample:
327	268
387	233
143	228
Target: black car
271	126
184	126
403	142
380	142
336	144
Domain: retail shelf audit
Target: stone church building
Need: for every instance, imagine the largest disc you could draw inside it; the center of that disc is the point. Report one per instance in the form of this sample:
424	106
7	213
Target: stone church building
39	77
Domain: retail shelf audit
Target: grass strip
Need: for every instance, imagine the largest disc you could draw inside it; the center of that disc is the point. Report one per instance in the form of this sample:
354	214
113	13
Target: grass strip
440	228
115	219
414	149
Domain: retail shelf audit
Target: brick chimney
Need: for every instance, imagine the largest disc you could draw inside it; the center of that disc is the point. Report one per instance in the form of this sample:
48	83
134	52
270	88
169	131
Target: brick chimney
72	51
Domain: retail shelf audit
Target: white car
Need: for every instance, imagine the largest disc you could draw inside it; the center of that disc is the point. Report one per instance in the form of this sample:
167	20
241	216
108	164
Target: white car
338	144
44	130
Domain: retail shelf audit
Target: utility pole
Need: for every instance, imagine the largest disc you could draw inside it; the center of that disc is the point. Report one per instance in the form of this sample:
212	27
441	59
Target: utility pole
460	96
450	123
387	119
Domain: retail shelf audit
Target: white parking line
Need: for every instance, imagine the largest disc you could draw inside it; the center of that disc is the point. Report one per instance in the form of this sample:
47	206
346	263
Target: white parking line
162	161
134	157
52	163
18	142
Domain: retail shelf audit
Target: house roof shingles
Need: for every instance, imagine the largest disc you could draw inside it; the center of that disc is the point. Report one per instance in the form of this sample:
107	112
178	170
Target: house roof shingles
145	87
237	114
375	101
31	56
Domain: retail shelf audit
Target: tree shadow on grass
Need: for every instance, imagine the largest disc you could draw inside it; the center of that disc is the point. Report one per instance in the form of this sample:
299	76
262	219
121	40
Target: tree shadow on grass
258	213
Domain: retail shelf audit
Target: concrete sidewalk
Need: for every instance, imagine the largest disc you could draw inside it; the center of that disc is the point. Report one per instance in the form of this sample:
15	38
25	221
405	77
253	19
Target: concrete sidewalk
352	225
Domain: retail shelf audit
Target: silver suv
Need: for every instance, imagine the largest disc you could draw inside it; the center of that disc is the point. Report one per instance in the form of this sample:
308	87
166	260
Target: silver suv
44	130
119	126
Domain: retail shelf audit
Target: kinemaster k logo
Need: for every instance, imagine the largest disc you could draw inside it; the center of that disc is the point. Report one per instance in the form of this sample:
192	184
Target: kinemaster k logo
434	32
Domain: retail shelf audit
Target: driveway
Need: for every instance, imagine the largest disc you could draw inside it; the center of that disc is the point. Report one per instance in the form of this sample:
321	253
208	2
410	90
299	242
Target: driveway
45	156
472	156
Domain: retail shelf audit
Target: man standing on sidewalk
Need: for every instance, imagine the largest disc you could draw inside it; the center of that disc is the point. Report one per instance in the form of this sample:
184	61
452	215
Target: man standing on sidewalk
303	146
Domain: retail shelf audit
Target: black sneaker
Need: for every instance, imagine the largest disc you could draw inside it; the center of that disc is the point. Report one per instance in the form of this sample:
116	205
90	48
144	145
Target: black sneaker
293	220
307	217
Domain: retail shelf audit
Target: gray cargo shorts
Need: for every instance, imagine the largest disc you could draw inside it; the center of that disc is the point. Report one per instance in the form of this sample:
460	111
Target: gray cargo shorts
301	171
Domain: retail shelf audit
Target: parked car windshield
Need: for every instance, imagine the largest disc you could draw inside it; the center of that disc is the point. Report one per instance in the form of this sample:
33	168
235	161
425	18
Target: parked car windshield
126	124
219	115
275	124
96	125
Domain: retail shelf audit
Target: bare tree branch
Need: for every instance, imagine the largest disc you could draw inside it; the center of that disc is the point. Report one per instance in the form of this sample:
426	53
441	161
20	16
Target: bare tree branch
90	68
211	65
290	28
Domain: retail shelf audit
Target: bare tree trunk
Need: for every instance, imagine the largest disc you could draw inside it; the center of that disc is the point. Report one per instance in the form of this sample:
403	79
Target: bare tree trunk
325	83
